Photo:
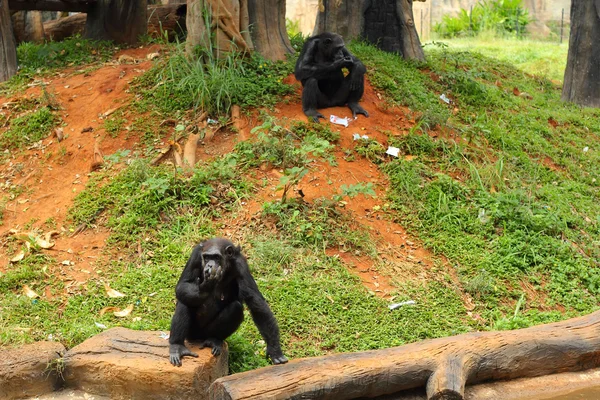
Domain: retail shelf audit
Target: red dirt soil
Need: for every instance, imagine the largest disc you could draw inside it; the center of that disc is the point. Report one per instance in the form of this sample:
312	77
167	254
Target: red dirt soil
52	174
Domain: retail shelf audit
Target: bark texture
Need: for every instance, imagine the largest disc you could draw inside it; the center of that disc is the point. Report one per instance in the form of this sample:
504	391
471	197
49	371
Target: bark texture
122	21
269	35
8	50
582	75
443	366
389	24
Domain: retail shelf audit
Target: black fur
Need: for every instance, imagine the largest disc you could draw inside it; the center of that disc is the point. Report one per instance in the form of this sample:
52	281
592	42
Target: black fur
210	294
319	68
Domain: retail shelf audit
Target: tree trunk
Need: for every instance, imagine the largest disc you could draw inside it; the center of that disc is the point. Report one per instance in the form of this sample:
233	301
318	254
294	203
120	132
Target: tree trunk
28	26
198	35
582	75
8	51
122	21
443	366
269	35
389	24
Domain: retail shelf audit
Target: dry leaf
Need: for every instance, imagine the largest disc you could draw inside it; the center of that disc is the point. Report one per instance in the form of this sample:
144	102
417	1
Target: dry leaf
112	292
29	293
109	309
44	244
124	312
18	257
49	235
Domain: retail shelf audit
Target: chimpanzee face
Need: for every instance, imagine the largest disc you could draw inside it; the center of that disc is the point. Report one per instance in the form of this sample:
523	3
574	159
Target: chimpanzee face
331	46
215	260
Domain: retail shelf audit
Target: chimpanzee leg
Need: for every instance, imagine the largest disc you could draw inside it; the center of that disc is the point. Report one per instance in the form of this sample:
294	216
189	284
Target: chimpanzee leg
354	96
311	95
180	327
223	326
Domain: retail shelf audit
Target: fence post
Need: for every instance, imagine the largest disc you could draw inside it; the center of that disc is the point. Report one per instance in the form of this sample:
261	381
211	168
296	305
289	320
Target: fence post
517	22
562	24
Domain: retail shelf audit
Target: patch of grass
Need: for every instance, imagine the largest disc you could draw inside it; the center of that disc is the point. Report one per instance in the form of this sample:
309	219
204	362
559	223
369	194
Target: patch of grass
180	83
143	200
545	59
36	59
115	124
320	224
28	129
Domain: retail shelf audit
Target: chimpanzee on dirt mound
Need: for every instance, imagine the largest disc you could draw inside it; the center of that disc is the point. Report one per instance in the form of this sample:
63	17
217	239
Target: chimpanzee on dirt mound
320	69
214	284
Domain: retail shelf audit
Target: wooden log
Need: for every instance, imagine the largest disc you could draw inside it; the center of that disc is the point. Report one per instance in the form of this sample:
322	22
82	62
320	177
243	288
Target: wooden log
8	49
62	28
444	366
51	5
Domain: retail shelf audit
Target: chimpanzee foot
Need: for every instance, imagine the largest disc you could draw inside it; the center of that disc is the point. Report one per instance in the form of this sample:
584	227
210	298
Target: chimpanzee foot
313	115
215	344
176	353
356	109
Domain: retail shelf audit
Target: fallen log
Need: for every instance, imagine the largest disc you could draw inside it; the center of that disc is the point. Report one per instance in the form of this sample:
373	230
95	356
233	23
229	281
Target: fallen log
60	29
444	366
161	18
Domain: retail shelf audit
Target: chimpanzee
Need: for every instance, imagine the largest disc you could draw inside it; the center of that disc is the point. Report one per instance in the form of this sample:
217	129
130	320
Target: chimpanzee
319	68
213	285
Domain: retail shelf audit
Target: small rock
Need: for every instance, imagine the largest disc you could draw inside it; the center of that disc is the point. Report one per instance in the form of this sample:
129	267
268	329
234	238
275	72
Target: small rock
152	56
27	370
125	364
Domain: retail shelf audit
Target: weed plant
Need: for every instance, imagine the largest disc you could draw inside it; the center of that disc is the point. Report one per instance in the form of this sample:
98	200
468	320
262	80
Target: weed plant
28	129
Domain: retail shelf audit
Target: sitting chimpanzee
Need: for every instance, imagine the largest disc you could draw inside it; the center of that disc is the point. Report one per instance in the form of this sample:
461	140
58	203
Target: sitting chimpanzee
210	292
320	69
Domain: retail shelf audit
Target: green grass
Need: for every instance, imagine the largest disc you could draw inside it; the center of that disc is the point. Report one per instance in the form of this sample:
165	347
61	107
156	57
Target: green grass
37	60
178	83
26	130
547	59
511	197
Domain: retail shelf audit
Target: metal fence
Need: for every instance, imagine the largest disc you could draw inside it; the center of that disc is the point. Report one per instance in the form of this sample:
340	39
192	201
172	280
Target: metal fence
556	28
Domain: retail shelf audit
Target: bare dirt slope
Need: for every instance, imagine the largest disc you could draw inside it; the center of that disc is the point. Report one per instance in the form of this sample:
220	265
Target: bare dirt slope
52	173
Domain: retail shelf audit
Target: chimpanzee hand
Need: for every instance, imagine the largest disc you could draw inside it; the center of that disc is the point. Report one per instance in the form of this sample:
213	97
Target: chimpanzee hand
348	62
176	353
213	273
276	356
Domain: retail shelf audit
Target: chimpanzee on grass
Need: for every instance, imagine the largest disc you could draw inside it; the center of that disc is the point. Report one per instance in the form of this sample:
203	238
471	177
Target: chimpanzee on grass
210	292
319	68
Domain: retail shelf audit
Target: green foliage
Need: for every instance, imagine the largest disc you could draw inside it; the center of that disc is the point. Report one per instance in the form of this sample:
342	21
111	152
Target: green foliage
179	83
144	199
28	129
320	224
69	52
503	17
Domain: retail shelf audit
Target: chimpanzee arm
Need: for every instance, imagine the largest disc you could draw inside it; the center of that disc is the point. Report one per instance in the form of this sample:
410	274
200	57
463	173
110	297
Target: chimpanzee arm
261	313
191	289
308	67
